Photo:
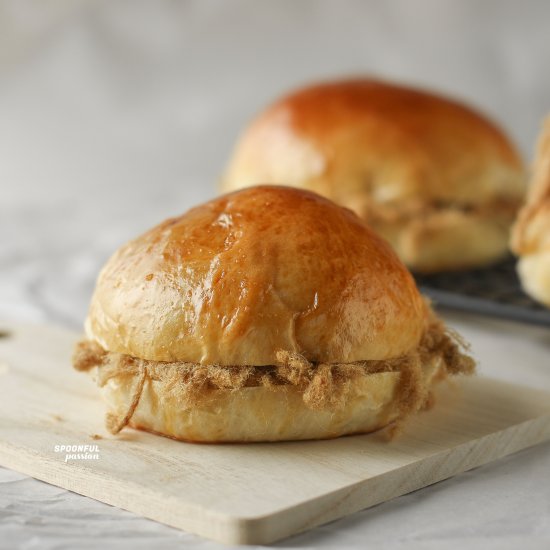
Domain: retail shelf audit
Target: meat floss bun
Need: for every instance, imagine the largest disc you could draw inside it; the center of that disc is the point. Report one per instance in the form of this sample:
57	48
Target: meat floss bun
435	178
531	235
266	314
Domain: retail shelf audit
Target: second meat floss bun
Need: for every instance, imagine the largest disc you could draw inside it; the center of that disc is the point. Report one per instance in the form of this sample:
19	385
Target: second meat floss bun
267	314
438	180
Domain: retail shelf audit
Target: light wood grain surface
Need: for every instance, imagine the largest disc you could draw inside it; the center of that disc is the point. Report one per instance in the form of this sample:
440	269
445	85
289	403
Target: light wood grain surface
242	493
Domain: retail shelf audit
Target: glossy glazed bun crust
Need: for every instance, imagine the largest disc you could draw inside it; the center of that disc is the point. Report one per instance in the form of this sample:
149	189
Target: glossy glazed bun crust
248	274
389	141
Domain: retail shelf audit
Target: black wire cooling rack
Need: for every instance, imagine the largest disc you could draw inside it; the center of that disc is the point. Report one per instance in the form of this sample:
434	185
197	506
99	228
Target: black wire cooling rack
493	291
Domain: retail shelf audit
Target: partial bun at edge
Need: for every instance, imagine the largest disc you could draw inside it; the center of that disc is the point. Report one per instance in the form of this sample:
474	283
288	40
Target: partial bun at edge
531	233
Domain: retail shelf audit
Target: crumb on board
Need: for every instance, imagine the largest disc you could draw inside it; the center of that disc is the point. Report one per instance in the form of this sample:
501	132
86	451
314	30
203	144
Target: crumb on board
95	437
57	418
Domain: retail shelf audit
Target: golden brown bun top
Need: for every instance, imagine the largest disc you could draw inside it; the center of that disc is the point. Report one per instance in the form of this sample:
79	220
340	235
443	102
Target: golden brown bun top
350	138
235	280
531	233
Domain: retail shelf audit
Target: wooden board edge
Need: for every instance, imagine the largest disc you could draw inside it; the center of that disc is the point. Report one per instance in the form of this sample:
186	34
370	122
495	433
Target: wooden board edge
297	518
417	475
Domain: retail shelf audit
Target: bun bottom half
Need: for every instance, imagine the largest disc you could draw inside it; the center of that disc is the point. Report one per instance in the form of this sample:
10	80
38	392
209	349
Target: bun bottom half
264	414
447	240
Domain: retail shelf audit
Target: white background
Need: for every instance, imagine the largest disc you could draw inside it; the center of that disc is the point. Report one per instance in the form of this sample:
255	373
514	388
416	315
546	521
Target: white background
116	115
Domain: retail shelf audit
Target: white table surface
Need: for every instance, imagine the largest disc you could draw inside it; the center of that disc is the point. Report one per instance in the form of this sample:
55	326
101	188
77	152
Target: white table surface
115	115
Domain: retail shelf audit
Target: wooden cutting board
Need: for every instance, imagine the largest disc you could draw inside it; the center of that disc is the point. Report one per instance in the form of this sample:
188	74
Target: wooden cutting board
254	493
